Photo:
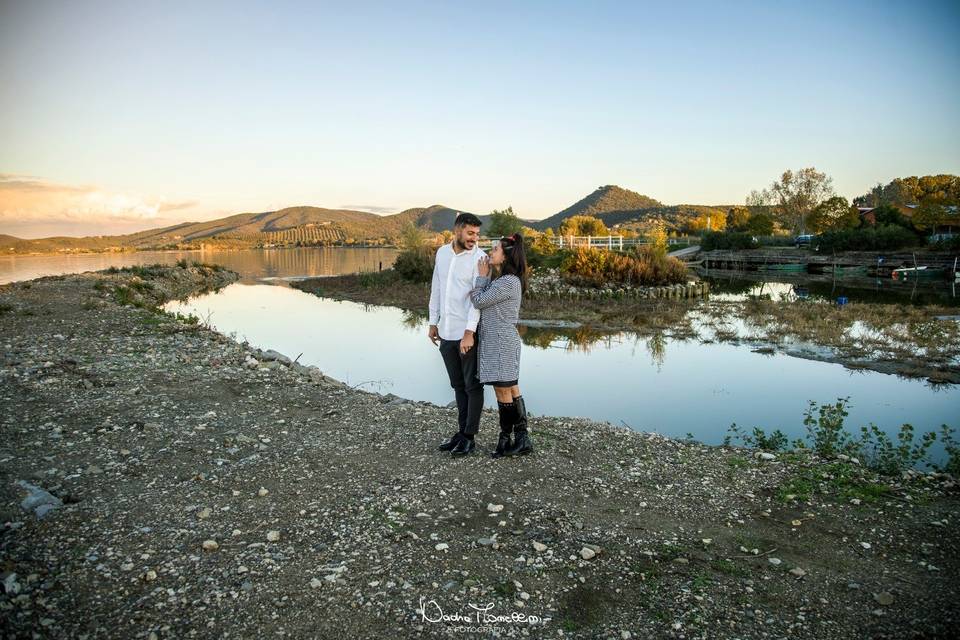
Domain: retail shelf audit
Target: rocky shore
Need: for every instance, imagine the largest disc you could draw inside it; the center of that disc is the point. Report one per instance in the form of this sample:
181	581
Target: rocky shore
160	480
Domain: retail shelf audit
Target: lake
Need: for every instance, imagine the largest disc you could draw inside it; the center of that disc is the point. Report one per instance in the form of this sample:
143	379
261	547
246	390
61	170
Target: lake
661	384
674	387
253	265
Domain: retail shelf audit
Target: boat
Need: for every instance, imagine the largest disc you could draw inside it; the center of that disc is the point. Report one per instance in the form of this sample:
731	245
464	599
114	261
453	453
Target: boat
790	266
847	270
918	273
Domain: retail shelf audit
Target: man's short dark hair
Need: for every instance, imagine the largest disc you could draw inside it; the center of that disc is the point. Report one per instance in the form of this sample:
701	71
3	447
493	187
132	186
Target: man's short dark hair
467	219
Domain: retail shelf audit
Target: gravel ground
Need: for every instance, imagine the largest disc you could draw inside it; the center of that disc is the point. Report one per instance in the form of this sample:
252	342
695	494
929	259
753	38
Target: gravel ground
162	481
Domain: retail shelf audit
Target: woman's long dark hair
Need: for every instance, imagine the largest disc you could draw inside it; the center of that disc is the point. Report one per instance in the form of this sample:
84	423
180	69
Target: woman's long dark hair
514	259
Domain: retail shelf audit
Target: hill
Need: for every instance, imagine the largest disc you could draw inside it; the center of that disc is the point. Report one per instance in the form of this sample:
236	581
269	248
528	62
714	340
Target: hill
312	226
435	218
297	226
607	202
679	217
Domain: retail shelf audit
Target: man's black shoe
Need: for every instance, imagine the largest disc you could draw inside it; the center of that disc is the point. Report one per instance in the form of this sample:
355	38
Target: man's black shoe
452	442
463	447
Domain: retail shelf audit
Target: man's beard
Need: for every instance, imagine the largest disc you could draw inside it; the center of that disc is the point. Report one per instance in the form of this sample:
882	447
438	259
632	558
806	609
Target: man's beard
459	244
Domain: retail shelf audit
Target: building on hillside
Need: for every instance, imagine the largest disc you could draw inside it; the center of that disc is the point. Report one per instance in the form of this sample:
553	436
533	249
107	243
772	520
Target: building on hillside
939	232
867	216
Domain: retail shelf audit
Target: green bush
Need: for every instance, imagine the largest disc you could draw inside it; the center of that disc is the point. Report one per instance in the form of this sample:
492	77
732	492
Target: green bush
827	437
879	238
642	266
776	241
415	264
718	240
543	253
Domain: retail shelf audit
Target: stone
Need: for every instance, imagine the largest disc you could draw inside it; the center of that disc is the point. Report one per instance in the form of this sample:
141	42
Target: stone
494	508
273	536
539	547
10	584
797	571
587	553
884	598
39	501
271	355
210	545
442	546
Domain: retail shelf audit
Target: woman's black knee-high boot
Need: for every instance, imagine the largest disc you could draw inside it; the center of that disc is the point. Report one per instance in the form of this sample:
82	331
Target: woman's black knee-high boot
521	440
507	411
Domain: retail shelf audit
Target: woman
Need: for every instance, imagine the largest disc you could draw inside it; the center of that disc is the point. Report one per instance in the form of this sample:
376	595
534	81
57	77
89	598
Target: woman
499	355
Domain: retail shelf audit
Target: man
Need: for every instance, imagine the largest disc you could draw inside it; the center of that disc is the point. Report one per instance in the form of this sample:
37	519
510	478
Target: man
453	325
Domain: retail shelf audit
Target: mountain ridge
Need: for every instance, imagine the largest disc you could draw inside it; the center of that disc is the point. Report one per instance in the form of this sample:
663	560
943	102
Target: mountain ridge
308	225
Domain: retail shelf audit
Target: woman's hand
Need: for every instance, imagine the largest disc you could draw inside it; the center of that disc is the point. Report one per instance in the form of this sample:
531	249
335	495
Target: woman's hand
483	266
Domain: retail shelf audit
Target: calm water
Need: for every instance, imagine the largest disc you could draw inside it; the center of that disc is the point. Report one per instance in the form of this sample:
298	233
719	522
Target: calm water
652	384
657	384
738	285
254	265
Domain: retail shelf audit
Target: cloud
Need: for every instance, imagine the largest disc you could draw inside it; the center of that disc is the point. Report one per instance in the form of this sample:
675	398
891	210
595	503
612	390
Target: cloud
177	206
28	201
380	211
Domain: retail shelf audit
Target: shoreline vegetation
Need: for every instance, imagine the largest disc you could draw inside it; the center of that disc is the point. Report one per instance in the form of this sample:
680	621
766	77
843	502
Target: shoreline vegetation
161	479
910	341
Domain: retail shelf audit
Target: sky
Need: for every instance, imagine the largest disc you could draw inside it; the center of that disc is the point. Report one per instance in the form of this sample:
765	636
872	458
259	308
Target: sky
121	116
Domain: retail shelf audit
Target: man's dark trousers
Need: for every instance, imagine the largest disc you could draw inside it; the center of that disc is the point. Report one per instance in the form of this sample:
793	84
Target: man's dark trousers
462	371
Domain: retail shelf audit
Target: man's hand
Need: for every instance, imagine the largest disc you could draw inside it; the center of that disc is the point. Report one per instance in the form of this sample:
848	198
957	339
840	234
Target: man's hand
466	343
433	334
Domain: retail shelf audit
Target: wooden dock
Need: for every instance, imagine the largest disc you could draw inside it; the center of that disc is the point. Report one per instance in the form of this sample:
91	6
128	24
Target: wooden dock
877	263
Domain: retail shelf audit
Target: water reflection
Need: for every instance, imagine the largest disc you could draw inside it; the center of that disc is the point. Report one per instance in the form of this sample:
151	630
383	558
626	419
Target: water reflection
737	286
253	265
620	377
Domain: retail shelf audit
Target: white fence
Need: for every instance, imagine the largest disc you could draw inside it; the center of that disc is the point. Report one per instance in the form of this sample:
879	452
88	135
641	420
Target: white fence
608	242
601	242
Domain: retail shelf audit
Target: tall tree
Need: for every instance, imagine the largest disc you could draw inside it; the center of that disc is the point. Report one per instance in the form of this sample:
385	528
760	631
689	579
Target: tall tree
930	214
833	214
943	188
504	223
759	224
737	218
412	237
583	226
796	195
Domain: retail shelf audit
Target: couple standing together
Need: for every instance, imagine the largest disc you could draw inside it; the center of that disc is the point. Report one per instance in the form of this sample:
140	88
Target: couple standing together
469	290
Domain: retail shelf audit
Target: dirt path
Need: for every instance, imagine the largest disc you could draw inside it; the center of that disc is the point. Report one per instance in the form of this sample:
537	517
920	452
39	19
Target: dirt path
327	512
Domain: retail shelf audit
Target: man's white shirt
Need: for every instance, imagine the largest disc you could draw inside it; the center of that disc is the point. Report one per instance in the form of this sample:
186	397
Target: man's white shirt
450	306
